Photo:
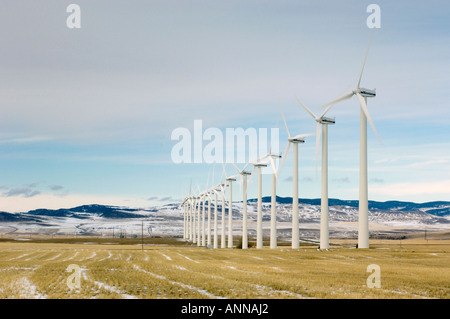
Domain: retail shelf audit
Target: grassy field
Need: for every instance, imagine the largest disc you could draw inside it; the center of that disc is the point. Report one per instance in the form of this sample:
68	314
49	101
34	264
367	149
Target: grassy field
169	268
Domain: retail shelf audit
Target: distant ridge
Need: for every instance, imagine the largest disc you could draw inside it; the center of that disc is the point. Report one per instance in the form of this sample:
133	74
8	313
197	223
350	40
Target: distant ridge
80	212
437	208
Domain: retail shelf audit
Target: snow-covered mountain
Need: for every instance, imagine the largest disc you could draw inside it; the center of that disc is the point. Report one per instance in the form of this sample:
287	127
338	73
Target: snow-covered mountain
100	220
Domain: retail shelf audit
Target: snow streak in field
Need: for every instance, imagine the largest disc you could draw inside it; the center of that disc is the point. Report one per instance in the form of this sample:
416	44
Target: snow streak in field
201	291
107	287
109	256
26	289
195	261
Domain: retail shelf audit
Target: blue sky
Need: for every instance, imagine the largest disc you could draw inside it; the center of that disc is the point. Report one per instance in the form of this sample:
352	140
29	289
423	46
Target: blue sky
87	114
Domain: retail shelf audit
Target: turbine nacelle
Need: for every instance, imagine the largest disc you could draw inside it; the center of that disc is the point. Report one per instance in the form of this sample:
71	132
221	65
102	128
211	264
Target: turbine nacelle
365	92
296	139
260	164
326	120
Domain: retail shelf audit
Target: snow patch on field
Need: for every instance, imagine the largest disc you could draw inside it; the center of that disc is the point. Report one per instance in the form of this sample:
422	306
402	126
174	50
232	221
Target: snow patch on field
199	290
167	257
100	284
26	289
195	261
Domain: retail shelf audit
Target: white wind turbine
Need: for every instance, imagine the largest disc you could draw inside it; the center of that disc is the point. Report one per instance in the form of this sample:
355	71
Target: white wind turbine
208	240
295	140
259	227
215	241
221	187
273	207
324	122
230	180
203	243
244	175
362	94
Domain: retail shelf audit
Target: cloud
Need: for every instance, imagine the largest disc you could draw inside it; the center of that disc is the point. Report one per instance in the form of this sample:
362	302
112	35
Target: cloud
56	187
427	163
414	188
27	139
24	191
303	179
160	199
376	181
341	180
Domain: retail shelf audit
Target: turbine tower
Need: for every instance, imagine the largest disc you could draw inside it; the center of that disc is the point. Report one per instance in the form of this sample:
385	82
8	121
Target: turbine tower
222	239
295	140
230	180
191	208
324	122
216	241
203	220
208	240
273	206
259	226
244	175
362	94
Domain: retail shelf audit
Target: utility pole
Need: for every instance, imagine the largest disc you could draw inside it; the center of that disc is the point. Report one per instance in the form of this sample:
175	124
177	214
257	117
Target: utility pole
142	234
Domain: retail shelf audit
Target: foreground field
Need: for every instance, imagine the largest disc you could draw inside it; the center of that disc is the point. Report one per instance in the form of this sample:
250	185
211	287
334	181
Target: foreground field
174	270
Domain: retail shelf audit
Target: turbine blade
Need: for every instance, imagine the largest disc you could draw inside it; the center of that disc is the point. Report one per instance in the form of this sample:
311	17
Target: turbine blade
307	109
363	104
364	60
303	135
236	167
224	171
318	132
284	158
251	175
339	99
207	180
272	165
284	120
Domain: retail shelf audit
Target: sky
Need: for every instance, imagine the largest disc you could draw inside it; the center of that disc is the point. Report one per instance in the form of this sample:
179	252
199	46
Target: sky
87	114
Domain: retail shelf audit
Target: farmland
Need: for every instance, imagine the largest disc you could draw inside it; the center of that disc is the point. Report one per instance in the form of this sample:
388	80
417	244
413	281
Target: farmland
171	269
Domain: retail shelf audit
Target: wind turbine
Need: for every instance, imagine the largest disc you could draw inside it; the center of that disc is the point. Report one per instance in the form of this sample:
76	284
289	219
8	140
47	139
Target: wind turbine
184	204
203	219
208	240
273	203
221	187
230	180
295	140
259	228
362	94
273	209
324	122
244	175
216	241
194	221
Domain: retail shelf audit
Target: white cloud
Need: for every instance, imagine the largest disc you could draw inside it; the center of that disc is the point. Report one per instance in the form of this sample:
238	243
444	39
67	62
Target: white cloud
440	190
51	201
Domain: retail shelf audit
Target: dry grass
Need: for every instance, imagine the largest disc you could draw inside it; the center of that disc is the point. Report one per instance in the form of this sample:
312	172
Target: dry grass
170	269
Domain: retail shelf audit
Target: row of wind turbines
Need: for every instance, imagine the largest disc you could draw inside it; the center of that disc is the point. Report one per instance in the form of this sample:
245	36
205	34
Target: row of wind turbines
195	206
